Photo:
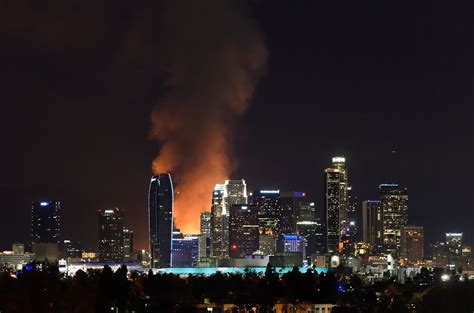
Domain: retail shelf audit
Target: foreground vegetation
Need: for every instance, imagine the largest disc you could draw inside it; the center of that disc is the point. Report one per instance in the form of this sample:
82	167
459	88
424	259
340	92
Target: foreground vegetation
45	290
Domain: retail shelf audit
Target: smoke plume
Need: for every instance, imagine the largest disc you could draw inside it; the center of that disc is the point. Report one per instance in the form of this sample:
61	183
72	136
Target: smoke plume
213	55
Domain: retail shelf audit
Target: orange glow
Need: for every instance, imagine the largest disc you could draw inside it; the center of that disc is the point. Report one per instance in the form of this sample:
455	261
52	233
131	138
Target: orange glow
208	85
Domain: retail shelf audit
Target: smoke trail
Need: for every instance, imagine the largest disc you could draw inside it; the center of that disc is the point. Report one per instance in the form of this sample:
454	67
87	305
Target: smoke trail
213	55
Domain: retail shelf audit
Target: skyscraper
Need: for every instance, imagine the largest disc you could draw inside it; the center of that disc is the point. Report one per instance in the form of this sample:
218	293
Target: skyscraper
205	236
224	196
372	224
394	201
269	210
336	202
309	225
243	230
46	222
219	224
111	235
412	244
290	207
160	213
127	245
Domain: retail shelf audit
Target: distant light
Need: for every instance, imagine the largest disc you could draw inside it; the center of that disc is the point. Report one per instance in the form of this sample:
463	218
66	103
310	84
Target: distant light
109	211
244	207
311	204
388	185
339	160
453	234
270	191
352	223
445	277
44	203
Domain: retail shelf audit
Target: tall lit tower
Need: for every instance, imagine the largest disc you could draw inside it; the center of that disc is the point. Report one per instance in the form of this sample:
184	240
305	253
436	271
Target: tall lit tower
224	196
45	222
336	202
160	214
111	235
372	224
394	201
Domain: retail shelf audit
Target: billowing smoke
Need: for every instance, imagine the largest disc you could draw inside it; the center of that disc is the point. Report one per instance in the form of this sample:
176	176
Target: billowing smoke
213	55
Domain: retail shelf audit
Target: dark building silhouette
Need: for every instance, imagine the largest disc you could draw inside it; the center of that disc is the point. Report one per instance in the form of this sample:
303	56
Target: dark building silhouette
243	230
372	224
46	222
309	225
160	214
127	245
291	205
111	235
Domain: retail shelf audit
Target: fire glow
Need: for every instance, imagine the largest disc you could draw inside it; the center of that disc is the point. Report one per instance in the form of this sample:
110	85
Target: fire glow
213	65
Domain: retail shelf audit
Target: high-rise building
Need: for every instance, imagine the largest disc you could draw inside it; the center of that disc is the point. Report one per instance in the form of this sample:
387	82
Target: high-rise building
160	214
372	224
127	245
292	243
411	249
310	226
452	253
46	222
219	224
350	226
336	180
243	230
267	244
224	196
291	202
205	235
111	235
394	201
269	210
185	251
70	249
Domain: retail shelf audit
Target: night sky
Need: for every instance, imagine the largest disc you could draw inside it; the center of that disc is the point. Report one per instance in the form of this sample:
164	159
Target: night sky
388	86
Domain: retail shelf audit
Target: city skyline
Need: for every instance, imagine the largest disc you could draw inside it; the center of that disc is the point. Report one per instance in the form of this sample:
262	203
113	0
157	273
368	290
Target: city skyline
394	98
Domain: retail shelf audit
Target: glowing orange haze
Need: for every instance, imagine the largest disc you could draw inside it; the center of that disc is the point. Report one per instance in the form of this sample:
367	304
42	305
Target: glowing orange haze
213	65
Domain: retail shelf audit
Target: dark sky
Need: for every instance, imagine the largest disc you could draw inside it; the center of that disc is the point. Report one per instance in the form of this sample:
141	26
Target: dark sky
78	83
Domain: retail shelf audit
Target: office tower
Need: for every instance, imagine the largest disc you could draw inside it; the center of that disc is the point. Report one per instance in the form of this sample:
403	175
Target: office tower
111	235
243	230
160	214
395	215
310	226
127	245
452	253
290	207
269	210
185	250
411	249
46	222
70	249
219	224
205	223
336	180
372	224
235	192
267	244
224	196
292	243
350	226
205	235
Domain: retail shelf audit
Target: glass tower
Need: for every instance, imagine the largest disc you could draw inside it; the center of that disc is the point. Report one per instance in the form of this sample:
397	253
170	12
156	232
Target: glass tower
45	222
160	213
